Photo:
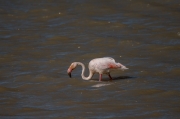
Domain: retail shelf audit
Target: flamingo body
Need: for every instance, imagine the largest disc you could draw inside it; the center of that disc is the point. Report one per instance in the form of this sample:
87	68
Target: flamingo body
98	65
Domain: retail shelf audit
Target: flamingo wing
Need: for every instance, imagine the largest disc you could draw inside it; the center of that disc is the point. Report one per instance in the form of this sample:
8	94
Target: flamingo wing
108	58
105	63
108	63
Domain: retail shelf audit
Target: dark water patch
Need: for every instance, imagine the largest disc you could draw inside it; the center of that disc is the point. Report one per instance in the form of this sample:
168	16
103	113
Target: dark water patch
4	89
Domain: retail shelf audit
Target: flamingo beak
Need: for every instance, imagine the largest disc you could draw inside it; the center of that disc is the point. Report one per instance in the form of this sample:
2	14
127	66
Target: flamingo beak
69	72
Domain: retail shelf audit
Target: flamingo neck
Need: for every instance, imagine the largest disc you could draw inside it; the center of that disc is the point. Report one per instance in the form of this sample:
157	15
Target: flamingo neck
83	70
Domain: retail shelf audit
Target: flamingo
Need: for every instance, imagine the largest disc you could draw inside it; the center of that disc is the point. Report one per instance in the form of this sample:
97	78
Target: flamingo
98	65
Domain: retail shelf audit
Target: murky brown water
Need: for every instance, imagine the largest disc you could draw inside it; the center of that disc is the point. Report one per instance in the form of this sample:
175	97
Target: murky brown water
40	38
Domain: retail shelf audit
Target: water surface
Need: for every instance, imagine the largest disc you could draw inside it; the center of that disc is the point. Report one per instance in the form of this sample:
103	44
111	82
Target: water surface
40	38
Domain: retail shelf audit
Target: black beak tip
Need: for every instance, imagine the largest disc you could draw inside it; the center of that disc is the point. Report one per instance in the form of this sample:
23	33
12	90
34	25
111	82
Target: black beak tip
69	75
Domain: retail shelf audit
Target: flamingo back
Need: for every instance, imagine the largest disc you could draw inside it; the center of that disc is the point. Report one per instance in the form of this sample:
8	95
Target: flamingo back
103	65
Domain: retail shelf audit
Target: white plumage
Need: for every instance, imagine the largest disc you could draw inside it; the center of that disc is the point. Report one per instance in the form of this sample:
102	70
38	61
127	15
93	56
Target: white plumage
98	65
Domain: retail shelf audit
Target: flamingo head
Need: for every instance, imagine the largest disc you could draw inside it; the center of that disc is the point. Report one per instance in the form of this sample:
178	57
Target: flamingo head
71	67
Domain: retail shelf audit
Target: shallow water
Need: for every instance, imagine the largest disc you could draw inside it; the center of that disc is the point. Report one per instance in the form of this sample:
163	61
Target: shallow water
40	38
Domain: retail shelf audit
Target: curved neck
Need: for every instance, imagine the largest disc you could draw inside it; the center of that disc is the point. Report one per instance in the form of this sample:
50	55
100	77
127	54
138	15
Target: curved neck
83	70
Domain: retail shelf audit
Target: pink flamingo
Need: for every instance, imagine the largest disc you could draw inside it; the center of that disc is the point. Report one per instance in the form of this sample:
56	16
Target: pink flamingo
98	65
